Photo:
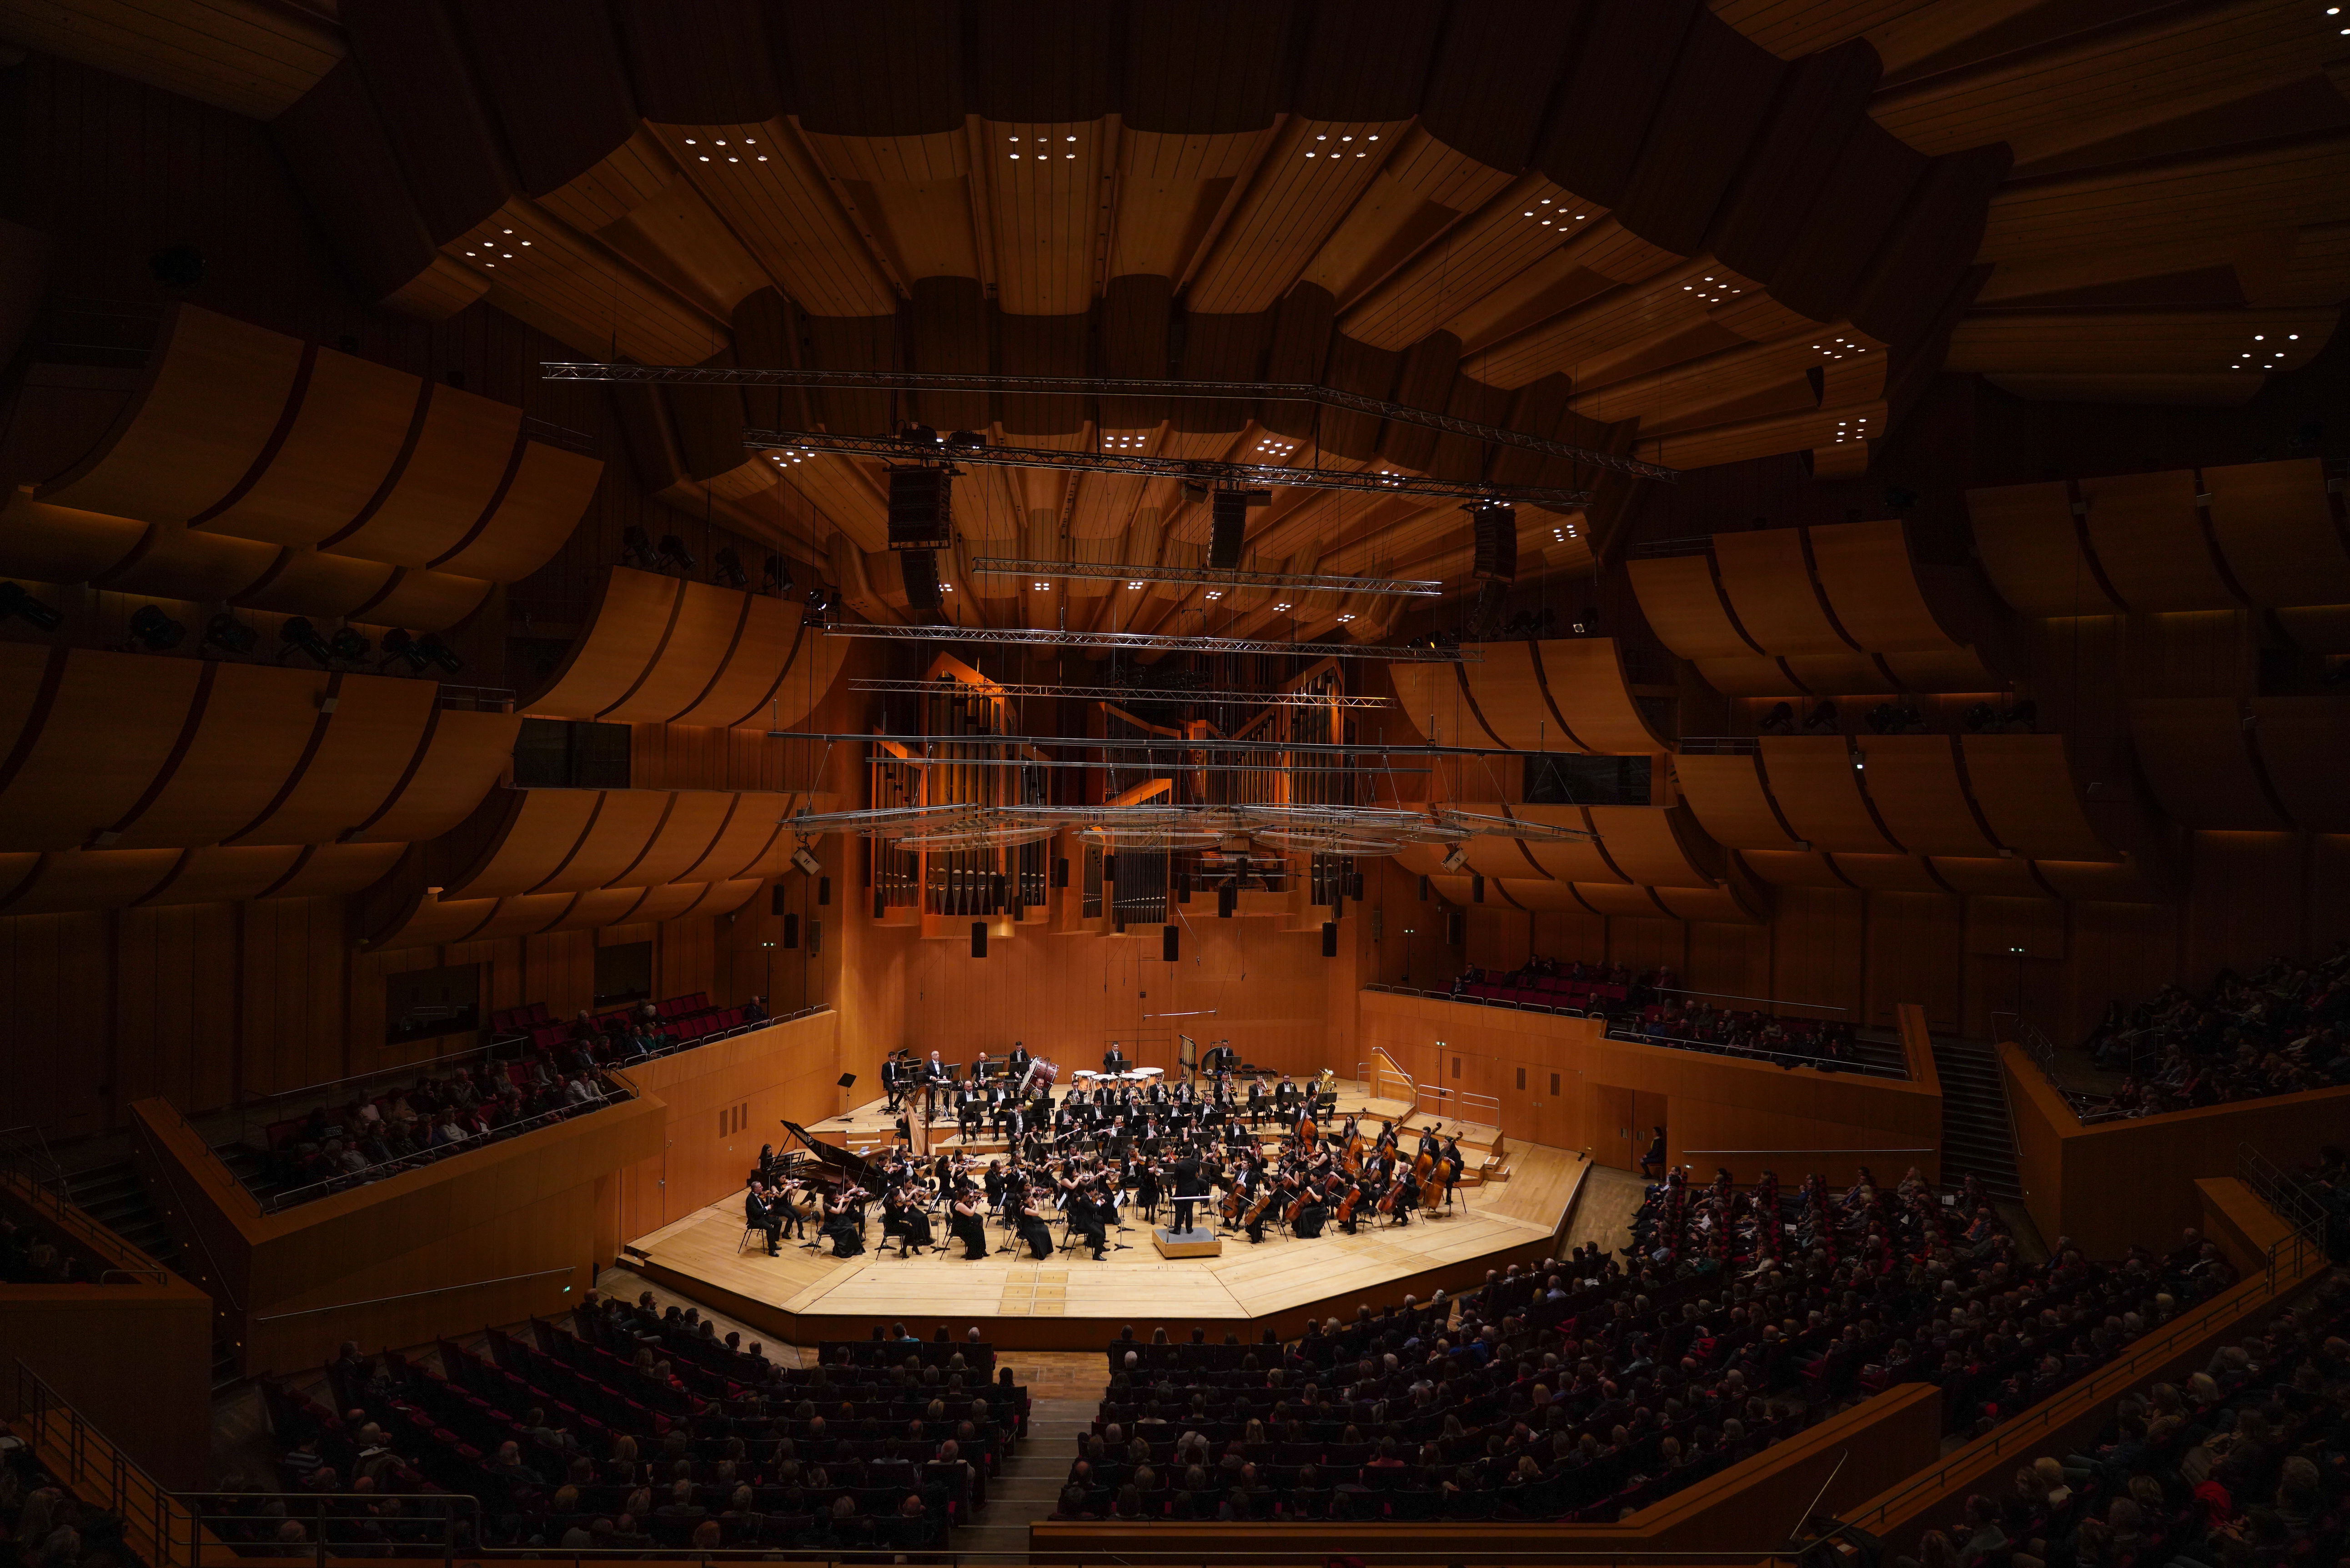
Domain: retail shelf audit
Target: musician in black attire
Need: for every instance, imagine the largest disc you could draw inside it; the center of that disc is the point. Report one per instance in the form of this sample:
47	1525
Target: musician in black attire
893	1080
1085	1217
1015	1066
1256	1103
1146	1188
902	1213
759	1215
846	1224
1031	1224
967	1223
1114	1060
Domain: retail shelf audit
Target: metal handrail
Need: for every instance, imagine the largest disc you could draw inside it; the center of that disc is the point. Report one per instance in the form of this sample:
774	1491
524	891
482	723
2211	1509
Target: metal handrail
58	1205
412	1295
280	1202
2286	1257
163	1168
1734	996
1928	1151
1632	1034
72	1447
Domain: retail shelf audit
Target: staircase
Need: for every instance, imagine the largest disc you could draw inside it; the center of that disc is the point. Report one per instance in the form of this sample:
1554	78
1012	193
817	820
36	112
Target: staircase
1880	1054
115	1197
1029	1485
1977	1138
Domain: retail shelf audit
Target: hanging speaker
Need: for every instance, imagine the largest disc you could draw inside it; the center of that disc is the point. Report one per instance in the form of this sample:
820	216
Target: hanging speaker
1170	943
775	900
979	938
1355	886
1423	889
1109	868
1476	889
1228	513
919	569
1329	938
1497	543
823	891
1456	927
1060	871
791	931
1228	899
921	510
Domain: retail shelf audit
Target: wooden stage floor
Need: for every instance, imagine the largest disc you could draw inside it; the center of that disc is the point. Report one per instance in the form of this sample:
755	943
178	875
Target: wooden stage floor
1070	1302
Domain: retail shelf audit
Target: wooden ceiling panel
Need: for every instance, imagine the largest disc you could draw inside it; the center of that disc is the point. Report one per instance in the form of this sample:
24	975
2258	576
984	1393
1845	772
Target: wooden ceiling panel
1614	80
1171	190
1732	804
2110	81
2025	786
886	67
1798	431
1366	59
2281	185
110	730
1766	575
1315	172
1672	301
1794	28
1495	68
342	159
422	87
783	208
1685	609
1205	66
1870	580
1049	61
678	237
1820	104
2033	551
545	493
1863	194
248	743
2125	342
581	291
350	423
552	71
1712	114
700	62
1504	242
854	343
947	330
1047	186
362	750
457	468
1584	681
250	58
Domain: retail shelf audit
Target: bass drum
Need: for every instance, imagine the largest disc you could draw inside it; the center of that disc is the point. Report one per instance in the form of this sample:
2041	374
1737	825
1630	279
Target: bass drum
1043	1075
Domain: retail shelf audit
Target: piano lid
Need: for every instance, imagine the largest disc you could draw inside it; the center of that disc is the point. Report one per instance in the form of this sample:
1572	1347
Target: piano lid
833	1156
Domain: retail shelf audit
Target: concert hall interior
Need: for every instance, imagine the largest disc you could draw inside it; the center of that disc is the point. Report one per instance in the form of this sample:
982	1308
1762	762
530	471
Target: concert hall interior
1175	781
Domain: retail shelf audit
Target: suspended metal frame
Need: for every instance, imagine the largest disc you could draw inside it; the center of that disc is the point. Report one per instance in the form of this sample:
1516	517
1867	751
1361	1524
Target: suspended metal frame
1373	748
1205	577
1149	642
1325	829
1197	469
1122	694
1100	386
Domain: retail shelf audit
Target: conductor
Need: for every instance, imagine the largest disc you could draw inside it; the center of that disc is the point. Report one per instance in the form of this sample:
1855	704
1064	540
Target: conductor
1191	1187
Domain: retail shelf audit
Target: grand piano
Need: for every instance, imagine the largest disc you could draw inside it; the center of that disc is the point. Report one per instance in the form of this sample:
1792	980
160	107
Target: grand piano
830	1167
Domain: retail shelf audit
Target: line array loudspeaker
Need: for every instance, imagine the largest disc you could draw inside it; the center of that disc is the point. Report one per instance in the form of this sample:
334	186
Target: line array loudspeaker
921	509
920	571
1228	513
1228	899
1171	942
1329	938
1497	543
1423	889
1476	888
791	931
1109	868
1060	871
823	891
1456	927
775	900
979	938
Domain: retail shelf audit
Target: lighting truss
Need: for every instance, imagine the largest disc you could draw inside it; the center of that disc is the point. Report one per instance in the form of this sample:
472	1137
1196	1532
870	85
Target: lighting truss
1100	386
1316	829
1341	749
1149	642
1197	469
876	685
1204	577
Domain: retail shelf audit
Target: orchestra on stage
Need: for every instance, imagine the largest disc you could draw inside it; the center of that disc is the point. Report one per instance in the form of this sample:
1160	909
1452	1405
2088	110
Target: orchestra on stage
1117	1141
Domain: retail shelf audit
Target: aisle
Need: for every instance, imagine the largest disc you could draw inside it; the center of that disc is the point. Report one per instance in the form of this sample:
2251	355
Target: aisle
1065	1394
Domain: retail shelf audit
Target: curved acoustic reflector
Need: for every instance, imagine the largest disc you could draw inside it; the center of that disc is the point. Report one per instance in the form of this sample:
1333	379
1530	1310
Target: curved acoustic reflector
663	650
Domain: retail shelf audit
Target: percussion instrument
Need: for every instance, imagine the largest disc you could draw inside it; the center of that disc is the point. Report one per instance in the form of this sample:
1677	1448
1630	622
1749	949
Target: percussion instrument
1043	1075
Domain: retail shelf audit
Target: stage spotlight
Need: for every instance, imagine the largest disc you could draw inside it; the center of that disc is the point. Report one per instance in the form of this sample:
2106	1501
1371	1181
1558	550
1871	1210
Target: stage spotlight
230	635
775	577
348	646
397	644
673	553
153	631
965	439
15	600
820	603
436	651
727	566
298	633
637	548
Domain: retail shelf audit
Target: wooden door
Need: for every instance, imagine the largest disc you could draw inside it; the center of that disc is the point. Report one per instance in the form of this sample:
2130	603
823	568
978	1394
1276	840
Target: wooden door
1615	1140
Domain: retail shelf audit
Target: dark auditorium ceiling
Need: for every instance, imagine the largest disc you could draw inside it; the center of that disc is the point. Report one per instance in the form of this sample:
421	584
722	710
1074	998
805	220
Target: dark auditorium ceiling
1695	234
